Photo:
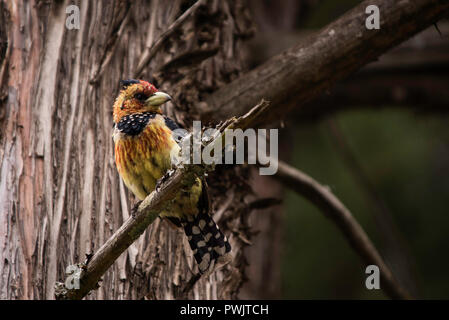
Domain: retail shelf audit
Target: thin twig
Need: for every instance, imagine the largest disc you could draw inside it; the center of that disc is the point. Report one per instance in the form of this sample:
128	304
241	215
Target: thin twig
329	204
149	52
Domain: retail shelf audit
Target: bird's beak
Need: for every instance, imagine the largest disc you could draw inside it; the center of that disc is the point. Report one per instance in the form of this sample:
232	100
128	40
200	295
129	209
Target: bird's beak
157	99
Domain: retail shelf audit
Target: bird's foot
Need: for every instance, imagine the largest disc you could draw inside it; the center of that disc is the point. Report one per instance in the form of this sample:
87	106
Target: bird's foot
135	208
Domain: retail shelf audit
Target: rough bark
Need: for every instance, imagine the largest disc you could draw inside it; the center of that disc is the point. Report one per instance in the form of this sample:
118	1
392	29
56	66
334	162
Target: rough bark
264	255
299	74
413	75
61	197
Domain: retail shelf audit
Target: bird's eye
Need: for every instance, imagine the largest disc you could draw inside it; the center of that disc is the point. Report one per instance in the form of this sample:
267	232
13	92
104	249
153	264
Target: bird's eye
140	96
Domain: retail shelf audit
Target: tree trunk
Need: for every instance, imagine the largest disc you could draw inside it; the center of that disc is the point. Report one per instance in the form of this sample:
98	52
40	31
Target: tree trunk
60	195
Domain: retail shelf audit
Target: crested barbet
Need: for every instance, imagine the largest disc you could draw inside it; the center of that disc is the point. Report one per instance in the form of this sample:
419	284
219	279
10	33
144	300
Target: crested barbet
144	143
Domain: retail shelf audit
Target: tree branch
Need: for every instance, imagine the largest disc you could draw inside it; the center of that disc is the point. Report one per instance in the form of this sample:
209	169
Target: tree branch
148	211
334	209
424	92
413	76
299	74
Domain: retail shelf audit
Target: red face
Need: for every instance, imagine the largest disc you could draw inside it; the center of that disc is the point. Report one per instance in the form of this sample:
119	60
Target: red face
138	96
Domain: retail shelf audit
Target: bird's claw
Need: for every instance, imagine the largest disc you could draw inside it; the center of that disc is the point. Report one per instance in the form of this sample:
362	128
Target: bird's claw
135	208
164	178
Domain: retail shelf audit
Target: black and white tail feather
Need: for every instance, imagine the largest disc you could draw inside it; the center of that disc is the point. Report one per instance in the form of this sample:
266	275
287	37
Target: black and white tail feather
210	246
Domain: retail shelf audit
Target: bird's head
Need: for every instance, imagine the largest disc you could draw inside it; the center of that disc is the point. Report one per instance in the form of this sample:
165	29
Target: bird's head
137	96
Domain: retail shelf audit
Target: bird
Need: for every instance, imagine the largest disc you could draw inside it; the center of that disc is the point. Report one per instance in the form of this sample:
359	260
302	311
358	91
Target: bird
144	141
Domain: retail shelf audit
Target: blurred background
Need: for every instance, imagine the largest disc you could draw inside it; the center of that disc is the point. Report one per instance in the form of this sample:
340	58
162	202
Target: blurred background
385	154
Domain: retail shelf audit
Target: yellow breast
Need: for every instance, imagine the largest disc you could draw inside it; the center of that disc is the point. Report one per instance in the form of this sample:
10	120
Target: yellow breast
144	158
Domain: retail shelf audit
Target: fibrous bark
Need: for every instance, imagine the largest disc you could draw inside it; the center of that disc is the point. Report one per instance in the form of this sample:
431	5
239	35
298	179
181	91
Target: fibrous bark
60	194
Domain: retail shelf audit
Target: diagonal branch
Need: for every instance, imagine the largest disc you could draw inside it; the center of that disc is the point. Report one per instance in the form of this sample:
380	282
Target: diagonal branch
302	72
148	211
334	209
